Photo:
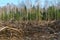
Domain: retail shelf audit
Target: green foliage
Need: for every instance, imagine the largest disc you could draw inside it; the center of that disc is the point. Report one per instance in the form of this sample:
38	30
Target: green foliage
32	16
11	15
1	17
17	16
4	16
53	13
50	13
58	14
44	15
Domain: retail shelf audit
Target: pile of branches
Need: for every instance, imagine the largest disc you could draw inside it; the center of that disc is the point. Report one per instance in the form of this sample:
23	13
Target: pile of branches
30	30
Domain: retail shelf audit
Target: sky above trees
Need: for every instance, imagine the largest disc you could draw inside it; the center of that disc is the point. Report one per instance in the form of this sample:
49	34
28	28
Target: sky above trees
16	2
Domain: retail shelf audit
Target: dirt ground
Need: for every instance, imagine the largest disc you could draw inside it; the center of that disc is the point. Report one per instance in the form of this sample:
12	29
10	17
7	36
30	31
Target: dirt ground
30	30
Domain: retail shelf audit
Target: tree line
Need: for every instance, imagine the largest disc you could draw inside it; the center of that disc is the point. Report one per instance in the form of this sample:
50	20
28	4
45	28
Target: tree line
33	13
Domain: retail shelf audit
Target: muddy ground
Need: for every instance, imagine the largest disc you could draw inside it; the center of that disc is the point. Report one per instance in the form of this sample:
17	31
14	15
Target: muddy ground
30	30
